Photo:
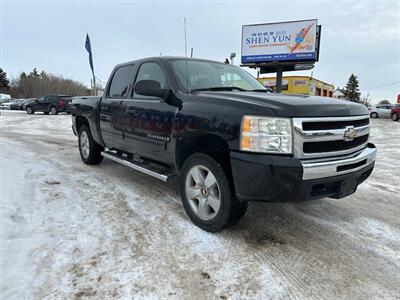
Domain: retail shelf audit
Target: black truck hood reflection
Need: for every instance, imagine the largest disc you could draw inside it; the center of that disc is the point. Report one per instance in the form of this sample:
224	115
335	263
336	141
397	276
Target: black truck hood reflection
291	105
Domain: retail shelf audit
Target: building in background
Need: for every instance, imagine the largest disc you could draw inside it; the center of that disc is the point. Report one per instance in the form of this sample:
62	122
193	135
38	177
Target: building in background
338	93
304	85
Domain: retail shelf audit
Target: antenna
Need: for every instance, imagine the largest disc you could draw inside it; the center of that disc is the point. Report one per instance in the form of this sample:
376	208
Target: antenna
186	58
184	27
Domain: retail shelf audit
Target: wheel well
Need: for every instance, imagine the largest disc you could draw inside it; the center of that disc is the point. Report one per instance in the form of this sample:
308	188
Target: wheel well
79	121
210	144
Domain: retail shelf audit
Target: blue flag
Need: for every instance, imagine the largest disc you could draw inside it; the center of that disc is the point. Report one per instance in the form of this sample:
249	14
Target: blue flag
89	49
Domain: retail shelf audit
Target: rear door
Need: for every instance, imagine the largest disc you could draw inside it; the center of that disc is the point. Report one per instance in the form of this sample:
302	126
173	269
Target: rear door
388	109
51	101
39	104
383	111
112	107
149	119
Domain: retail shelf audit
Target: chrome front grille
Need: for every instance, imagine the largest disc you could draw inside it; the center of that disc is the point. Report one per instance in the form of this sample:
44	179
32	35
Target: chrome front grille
330	136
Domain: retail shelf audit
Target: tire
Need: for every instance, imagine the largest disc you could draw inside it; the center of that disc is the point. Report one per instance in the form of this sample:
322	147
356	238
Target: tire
374	115
209	200
395	117
29	110
53	110
89	150
46	112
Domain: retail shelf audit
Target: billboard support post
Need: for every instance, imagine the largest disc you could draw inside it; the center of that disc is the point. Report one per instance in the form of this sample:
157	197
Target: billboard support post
279	75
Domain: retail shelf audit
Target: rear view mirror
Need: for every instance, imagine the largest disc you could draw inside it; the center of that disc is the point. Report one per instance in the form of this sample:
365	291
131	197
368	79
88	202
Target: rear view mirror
150	88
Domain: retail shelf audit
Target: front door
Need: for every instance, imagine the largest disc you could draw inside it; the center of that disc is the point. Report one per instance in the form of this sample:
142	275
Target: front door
112	107
149	119
41	103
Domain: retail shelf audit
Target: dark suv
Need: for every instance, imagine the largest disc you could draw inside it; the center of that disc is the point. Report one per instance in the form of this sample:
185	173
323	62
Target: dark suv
52	104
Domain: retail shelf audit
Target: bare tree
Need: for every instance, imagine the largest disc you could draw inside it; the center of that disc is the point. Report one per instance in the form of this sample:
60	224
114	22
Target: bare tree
37	84
366	100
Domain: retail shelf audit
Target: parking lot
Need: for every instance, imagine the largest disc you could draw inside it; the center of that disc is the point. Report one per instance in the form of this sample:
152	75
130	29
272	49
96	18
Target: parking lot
75	231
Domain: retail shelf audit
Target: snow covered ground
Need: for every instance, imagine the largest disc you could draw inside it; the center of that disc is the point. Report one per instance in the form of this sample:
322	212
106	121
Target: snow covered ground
73	231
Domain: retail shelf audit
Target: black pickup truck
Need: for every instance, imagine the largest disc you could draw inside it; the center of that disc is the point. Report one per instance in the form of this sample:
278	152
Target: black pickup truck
227	139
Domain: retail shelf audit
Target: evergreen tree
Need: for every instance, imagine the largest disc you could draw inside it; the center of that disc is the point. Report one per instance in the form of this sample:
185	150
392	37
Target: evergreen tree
44	75
34	73
4	81
351	91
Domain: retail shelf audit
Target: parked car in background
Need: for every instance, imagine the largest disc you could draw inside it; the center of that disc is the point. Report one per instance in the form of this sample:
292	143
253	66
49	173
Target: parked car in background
4	100
5	104
10	104
395	112
52	104
26	101
17	104
380	111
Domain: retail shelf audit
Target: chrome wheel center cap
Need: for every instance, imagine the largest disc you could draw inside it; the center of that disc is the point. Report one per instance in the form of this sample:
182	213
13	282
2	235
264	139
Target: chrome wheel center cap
204	192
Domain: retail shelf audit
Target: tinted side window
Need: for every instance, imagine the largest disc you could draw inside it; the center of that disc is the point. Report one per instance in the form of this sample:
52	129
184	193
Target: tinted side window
120	82
152	71
51	98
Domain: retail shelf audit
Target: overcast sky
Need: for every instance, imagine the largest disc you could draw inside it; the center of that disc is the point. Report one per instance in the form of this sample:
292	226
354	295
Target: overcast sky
357	37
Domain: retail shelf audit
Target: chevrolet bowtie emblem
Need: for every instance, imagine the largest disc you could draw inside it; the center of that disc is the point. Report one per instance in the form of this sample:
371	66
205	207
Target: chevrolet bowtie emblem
350	133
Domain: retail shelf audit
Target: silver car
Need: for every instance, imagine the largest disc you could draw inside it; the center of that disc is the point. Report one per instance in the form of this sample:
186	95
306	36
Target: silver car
380	111
6	105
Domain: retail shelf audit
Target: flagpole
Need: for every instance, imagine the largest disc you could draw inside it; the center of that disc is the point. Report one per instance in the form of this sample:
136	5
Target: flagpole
94	85
88	47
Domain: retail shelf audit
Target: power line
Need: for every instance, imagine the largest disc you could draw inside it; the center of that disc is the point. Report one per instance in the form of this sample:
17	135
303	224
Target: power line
383	85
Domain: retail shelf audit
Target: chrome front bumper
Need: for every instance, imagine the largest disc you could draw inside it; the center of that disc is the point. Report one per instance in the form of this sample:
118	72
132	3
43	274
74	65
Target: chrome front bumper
315	170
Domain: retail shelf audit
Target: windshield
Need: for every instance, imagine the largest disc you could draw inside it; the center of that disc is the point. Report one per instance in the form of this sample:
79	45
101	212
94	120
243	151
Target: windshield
205	75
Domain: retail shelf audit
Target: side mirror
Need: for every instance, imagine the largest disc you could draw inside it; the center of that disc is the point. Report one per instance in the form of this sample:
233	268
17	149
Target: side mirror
150	88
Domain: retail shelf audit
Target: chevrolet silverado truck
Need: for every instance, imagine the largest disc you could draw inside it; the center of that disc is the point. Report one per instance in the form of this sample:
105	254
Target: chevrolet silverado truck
224	137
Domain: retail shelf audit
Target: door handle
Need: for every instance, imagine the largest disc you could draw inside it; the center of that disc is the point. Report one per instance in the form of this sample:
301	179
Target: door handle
116	104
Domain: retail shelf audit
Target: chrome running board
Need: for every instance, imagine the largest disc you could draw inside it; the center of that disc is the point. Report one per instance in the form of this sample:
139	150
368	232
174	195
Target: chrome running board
161	174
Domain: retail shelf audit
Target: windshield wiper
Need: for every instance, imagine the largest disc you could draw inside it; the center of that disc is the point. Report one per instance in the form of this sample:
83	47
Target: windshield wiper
263	90
219	88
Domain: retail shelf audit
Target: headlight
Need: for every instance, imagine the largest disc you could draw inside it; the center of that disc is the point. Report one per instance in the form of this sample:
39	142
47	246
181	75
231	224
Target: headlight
263	134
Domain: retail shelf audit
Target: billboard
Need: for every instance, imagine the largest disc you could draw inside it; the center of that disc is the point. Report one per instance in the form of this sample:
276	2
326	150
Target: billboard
285	41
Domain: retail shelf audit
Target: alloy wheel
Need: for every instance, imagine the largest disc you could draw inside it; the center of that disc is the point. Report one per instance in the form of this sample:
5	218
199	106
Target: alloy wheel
84	144
203	192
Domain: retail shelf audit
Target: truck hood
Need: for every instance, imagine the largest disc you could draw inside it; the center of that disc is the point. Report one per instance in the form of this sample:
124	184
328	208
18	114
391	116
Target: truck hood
293	105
